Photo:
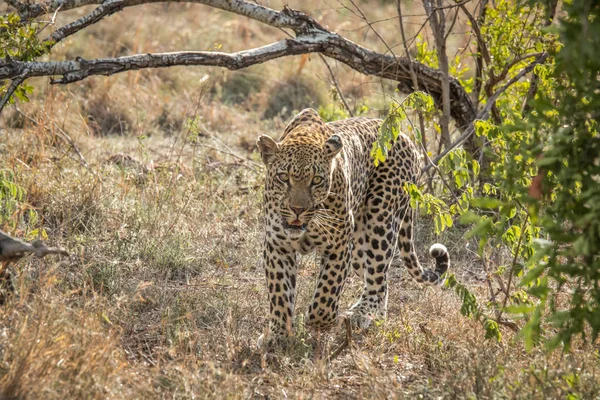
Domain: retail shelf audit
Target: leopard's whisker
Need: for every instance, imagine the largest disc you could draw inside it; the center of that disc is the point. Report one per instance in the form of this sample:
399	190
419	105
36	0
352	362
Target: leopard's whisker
323	229
323	212
330	221
327	224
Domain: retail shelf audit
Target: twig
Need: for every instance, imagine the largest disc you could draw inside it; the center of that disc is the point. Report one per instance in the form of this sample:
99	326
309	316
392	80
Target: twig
500	77
475	26
488	280
347	341
364	17
482	53
230	153
444	181
449	30
10	90
107	8
65	137
333	78
413	76
512	268
337	86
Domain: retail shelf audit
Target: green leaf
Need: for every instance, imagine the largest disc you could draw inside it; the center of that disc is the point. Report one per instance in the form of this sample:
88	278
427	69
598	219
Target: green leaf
481	229
487	202
469	217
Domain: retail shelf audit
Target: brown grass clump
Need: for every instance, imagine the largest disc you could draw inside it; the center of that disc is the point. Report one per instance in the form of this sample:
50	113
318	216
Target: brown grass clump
51	349
105	118
240	87
294	94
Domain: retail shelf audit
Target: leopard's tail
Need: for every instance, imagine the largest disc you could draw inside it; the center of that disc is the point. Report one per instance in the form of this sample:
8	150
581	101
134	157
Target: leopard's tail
405	253
421	275
442	263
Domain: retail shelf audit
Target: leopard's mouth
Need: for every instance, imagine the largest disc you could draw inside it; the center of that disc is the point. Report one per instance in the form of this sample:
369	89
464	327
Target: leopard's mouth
296	225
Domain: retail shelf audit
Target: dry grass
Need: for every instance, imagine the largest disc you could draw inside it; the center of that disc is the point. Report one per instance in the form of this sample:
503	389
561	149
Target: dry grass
163	296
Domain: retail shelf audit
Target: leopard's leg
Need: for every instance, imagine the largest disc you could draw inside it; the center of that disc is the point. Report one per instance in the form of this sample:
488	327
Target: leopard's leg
335	264
380	230
359	247
406	252
280	271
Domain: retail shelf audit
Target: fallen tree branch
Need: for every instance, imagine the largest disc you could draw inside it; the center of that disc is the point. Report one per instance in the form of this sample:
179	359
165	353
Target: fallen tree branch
11	249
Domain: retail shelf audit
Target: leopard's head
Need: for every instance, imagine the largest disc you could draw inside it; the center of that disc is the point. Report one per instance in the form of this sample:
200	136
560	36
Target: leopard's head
299	171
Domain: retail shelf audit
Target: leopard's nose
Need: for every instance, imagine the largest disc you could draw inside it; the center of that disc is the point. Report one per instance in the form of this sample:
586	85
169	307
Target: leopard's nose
298	210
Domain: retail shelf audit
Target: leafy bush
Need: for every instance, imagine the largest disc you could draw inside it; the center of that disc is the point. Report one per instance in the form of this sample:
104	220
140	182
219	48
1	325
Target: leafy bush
538	196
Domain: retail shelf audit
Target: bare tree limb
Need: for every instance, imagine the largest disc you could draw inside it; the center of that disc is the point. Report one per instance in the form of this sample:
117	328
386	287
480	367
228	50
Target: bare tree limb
240	7
107	8
78	69
310	37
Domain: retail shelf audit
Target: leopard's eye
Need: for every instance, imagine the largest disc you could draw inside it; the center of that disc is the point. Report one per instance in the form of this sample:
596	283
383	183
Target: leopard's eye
316	180
283	177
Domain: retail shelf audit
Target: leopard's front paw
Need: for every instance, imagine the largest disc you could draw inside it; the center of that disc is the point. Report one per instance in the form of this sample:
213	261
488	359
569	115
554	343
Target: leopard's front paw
321	322
269	341
365	312
359	319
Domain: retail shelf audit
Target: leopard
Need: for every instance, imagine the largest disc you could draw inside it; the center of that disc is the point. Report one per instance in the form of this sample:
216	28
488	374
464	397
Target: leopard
323	193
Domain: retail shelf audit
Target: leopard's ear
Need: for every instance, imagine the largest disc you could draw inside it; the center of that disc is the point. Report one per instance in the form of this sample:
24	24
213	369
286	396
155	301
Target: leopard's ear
333	146
267	147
